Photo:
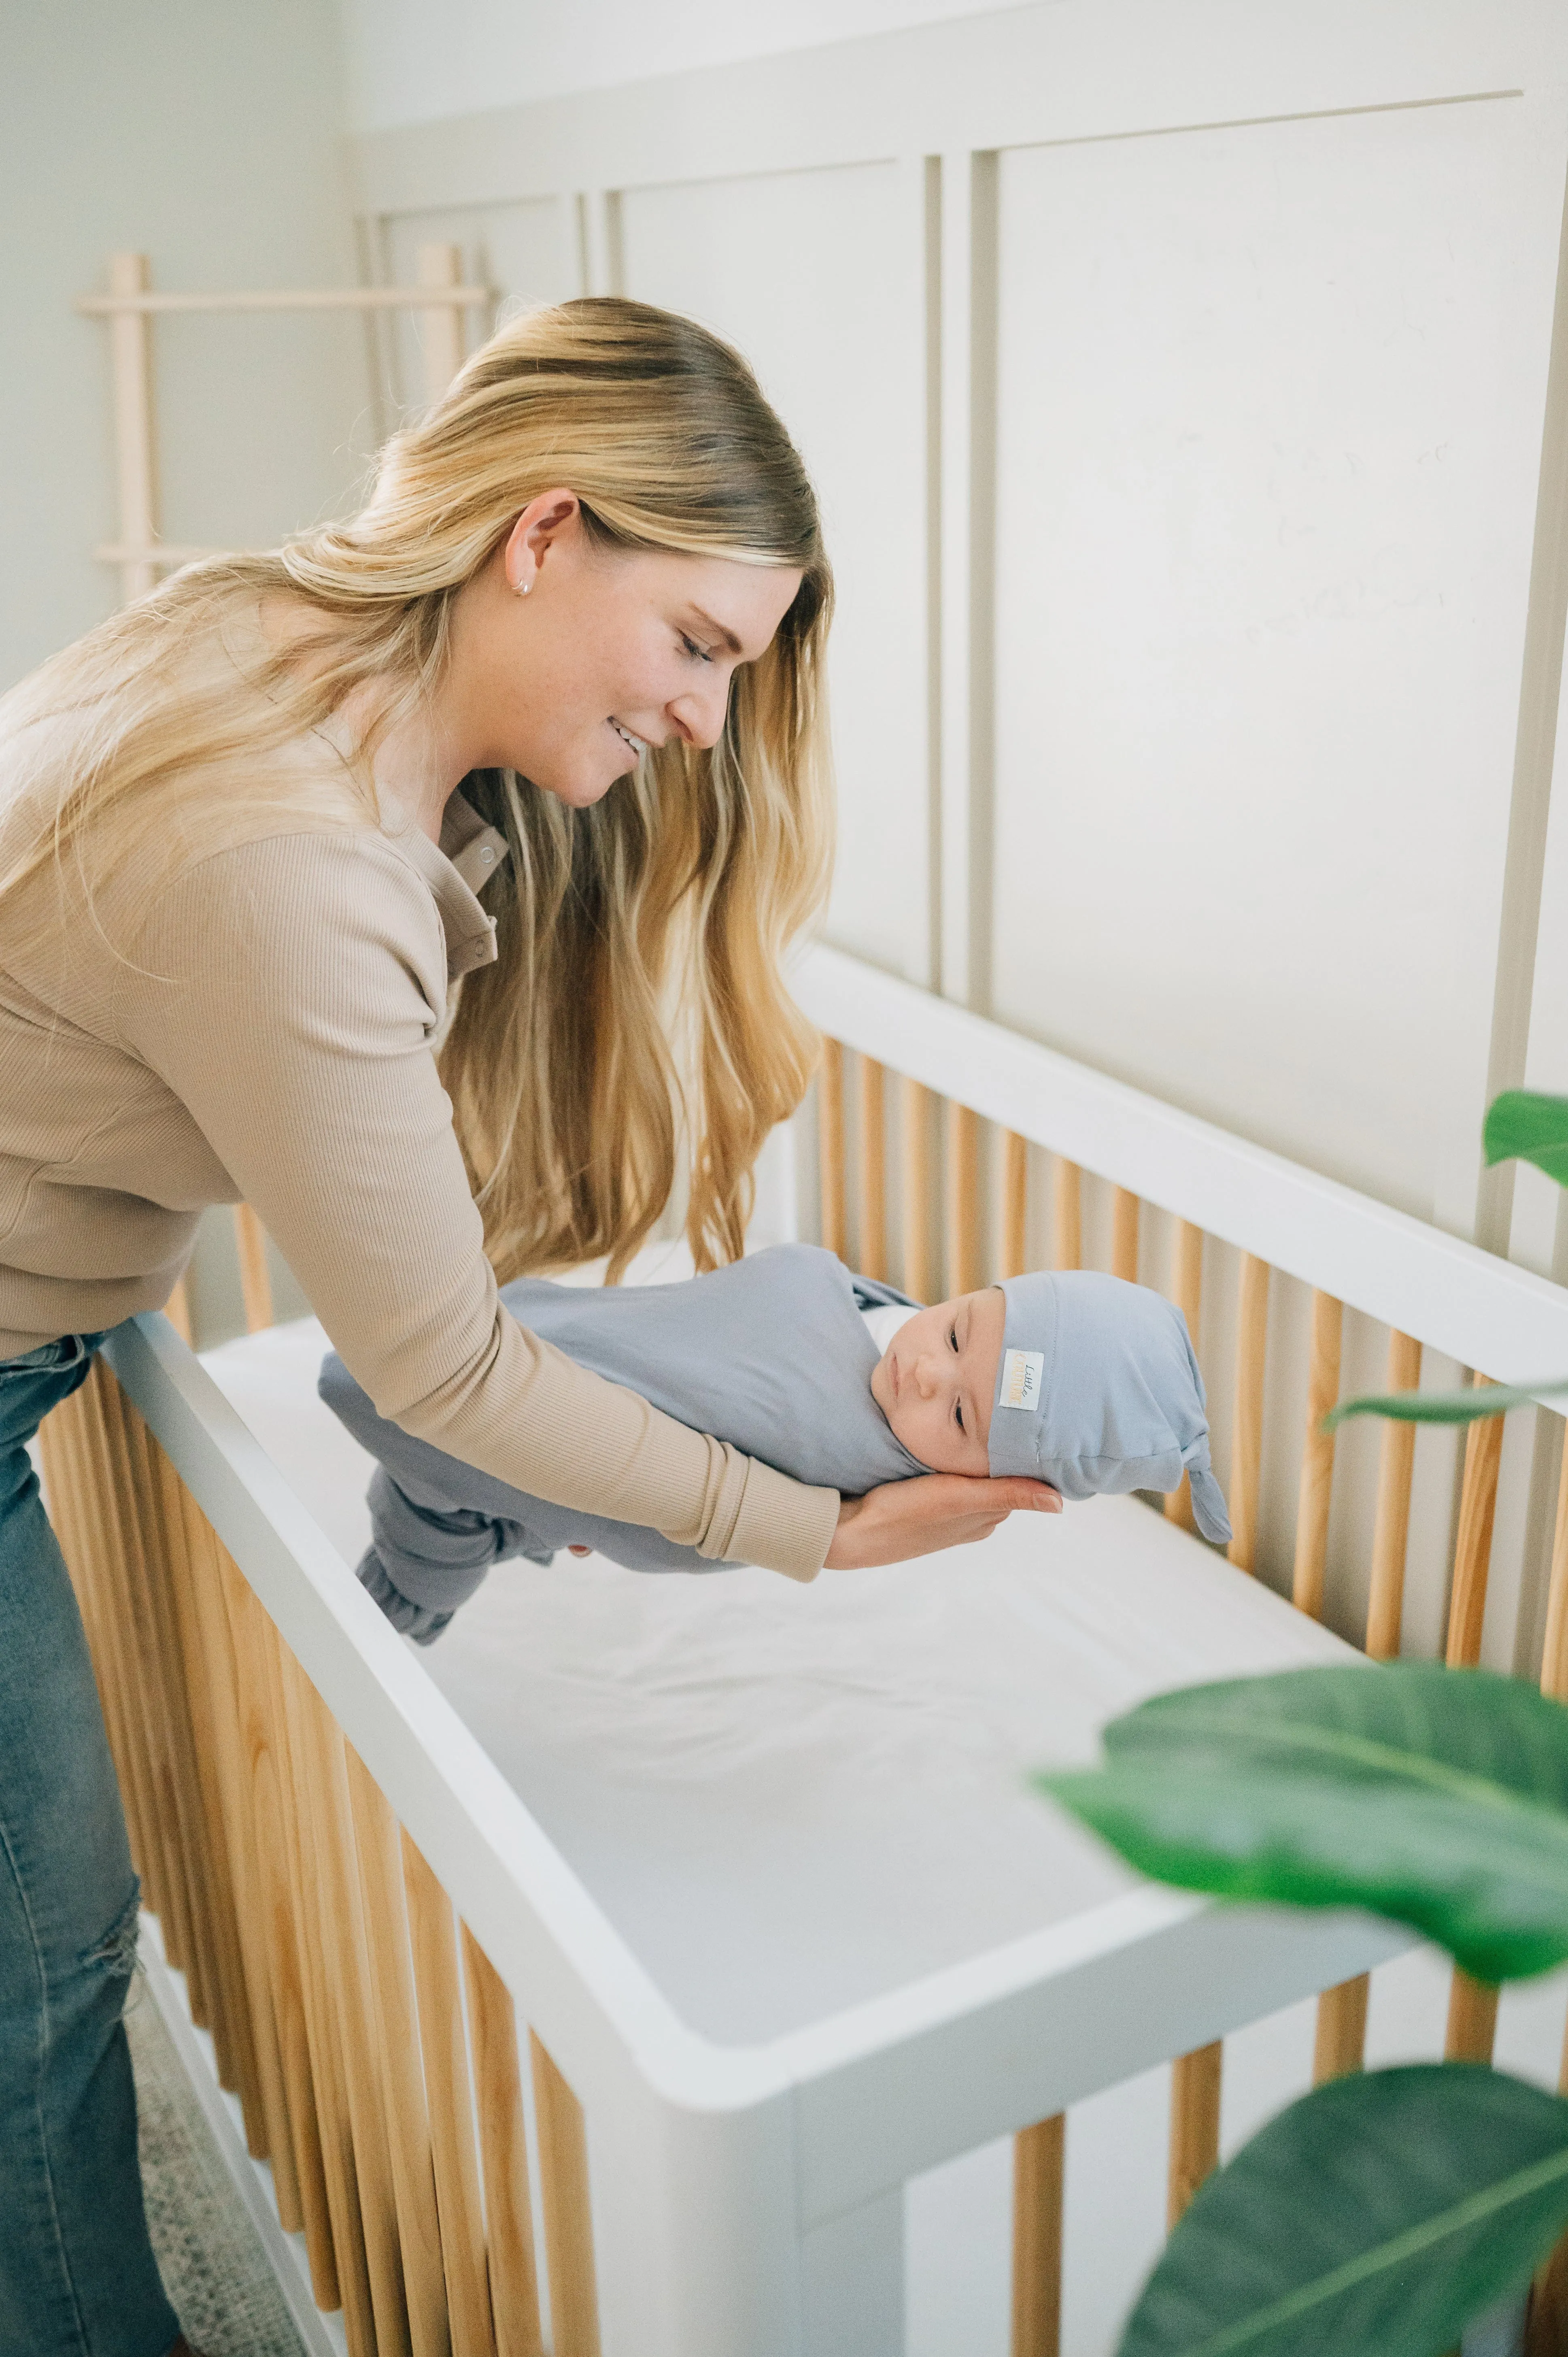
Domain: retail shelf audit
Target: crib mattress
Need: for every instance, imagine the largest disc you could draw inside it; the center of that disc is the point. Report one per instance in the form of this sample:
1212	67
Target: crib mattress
790	1799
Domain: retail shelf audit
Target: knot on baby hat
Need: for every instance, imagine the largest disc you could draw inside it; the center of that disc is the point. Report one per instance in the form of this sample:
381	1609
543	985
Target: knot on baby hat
1099	1390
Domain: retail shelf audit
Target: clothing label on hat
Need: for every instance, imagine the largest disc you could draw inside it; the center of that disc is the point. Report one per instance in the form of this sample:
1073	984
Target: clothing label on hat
1022	1371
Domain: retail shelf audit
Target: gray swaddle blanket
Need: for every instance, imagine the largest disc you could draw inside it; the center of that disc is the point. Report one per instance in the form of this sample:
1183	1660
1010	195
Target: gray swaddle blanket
773	1355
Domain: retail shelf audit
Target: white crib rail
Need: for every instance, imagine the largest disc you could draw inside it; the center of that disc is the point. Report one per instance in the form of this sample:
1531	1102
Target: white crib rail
1475	1307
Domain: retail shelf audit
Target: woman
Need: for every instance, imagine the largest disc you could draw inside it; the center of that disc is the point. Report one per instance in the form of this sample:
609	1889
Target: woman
244	953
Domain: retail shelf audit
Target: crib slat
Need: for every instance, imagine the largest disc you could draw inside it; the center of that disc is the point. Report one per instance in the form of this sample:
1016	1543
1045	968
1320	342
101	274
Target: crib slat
964	1270
176	1310
872	1171
1039	2161
1125	1210
255	1276
1341	2042
72	1479
225	1727
433	1933
1547	2333
509	2211
1472	2020
397	2039
1316	1492
1473	1547
1554	1651
149	1731
1246	1447
352	1994
1385	1608
214	1864
1195	2125
329	2088
1187	1292
1066	1216
829	1120
1014	1203
185	1796
920	1277
568	2218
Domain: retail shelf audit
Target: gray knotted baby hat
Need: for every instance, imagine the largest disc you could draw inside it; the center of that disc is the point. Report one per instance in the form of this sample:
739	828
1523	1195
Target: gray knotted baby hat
1099	1390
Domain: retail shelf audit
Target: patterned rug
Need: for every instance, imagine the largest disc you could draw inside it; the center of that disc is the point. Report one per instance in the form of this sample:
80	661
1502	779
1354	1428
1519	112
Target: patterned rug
214	2269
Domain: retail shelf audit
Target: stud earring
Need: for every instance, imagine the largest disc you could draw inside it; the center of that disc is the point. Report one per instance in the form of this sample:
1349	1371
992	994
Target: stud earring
522	587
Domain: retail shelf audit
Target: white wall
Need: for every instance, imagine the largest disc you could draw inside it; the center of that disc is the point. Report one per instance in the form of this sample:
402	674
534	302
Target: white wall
207	135
412	62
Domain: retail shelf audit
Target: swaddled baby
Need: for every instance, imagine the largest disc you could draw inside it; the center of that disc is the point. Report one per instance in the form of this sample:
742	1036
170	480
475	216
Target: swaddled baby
1079	1380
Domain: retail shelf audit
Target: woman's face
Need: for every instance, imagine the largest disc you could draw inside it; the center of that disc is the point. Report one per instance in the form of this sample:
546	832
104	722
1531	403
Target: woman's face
569	659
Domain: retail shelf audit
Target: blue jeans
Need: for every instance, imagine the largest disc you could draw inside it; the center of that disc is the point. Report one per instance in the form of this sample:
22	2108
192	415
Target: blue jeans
77	2274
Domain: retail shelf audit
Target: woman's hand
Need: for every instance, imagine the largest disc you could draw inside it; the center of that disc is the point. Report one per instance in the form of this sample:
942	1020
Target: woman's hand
934	1511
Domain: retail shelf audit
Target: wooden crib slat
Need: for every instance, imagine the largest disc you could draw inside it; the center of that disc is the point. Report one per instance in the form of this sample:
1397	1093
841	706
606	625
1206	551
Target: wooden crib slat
872	1171
1195	2125
329	2088
105	1580
503	2152
568	2218
1473	1546
1391	1532
1066	1216
72	1481
351	1991
214	1864
173	1686
1246	1447
1014	1203
433	1937
1187	1292
920	1193
1554	1651
397	2042
162	1871
1125	1210
1039	2165
1314	1494
1341	2042
225	1732
830	1119
176	1310
1471	2004
255	1276
965	1272
1472	2020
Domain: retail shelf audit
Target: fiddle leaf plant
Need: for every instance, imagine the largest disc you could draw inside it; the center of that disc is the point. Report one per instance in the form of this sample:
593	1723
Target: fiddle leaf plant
1387	2210
1384	2211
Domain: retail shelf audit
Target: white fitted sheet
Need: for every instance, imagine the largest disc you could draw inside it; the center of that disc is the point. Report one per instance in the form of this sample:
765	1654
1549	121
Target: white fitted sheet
792	1798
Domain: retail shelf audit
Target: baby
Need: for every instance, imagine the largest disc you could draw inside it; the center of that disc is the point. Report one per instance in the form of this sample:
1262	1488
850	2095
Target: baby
1078	1380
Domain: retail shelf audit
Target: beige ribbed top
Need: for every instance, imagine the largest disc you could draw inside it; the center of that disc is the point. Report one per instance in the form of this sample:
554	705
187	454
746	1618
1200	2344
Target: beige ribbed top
266	1036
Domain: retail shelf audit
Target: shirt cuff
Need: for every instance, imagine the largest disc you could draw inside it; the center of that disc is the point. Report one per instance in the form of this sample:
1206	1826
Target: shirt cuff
783	1525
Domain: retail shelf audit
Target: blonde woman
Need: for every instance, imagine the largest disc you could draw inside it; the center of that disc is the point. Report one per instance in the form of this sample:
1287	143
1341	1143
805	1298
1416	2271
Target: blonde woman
424	884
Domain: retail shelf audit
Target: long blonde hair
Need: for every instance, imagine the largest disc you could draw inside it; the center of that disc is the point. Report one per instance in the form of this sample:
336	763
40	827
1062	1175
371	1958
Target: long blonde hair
636	1017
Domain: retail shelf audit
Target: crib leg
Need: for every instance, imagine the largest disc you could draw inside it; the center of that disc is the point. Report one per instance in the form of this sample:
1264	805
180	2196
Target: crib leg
854	2280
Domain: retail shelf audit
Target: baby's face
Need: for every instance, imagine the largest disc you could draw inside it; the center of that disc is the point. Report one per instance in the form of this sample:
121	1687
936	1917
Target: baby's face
937	1379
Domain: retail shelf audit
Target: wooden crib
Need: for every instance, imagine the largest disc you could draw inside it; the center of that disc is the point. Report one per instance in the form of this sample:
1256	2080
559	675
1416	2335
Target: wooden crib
422	2013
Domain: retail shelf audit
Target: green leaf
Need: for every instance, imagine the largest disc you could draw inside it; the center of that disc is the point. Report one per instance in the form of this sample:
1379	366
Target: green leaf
1437	1797
1372	2219
1524	1128
1443	1407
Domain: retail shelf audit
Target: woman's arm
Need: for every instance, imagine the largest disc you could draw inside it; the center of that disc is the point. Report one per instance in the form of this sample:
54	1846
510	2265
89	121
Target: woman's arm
921	1516
287	991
